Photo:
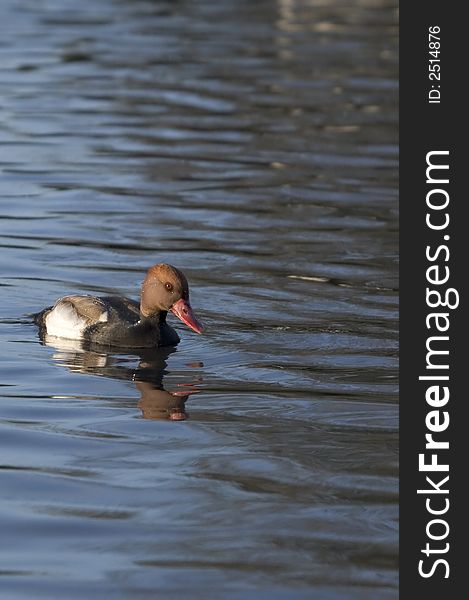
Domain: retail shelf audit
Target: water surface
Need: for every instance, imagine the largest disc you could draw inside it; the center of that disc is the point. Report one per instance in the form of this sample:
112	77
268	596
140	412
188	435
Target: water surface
253	145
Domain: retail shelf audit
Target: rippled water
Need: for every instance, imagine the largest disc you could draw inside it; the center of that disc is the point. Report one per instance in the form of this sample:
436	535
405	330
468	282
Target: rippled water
253	145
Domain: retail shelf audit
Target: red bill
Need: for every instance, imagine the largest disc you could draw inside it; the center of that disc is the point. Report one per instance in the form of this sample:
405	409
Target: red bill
183	311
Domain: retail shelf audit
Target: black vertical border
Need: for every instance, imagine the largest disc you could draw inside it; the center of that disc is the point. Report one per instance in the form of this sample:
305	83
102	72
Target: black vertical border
425	127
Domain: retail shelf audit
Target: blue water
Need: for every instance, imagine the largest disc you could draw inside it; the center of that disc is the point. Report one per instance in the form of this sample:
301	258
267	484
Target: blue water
254	146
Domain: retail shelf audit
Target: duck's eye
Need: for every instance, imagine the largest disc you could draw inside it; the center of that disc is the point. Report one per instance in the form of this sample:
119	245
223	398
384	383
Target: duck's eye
169	286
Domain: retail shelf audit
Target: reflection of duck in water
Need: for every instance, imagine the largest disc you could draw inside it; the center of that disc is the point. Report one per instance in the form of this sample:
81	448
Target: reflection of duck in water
161	404
155	402
115	321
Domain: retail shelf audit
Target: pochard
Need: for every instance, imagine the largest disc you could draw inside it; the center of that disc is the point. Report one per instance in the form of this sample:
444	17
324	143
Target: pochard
117	321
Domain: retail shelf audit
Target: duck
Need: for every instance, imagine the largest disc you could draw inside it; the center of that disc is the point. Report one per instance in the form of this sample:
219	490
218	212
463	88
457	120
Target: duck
123	322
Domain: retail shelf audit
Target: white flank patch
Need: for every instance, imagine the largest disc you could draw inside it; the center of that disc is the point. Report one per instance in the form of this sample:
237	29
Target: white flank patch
64	322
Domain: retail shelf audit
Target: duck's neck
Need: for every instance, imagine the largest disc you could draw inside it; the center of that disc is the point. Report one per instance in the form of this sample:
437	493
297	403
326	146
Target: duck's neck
155	320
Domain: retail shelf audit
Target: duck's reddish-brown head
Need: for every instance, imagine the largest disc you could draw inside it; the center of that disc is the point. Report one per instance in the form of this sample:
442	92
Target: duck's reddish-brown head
165	288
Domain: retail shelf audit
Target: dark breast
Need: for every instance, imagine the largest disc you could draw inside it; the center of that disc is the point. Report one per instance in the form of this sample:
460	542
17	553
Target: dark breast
125	327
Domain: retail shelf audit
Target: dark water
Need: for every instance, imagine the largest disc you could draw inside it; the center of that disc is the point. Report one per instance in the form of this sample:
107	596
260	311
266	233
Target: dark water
253	145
